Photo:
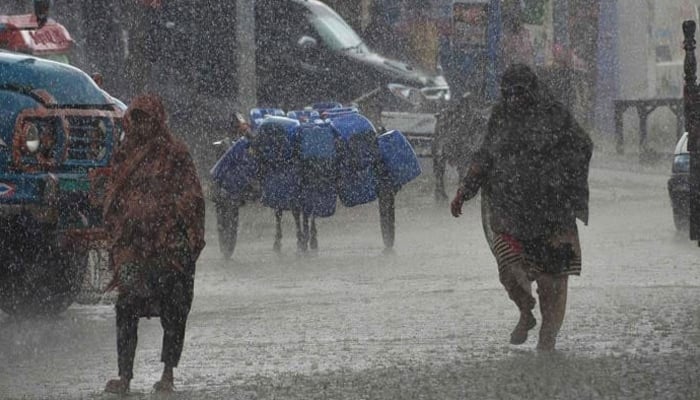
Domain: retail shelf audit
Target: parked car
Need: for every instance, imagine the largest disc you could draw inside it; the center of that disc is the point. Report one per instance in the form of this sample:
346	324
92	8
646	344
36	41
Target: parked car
306	52
678	187
58	131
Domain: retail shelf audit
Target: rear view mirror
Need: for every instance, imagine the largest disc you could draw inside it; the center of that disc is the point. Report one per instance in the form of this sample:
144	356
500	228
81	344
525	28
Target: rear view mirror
307	43
41	11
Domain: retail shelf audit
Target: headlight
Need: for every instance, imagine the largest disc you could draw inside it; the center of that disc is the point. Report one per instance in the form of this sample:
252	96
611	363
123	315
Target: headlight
406	93
31	137
436	93
681	163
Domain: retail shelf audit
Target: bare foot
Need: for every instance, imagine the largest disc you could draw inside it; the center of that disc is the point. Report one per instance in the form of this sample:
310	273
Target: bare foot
388	251
117	386
166	382
526	322
546	343
164	386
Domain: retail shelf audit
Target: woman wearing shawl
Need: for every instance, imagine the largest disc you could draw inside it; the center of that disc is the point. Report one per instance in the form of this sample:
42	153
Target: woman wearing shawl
532	169
154	214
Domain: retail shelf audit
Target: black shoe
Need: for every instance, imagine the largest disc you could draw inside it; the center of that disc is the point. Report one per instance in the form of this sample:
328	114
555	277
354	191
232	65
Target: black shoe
526	322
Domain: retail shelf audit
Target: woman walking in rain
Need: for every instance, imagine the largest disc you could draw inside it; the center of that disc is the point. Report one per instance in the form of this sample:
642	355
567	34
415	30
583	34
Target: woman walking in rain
154	214
532	169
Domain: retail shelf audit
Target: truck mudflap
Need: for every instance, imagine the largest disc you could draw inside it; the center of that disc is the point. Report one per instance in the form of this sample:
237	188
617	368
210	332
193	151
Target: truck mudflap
81	230
93	246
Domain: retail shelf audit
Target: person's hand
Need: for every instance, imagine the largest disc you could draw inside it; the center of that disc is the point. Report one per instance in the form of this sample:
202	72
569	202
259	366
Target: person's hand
457	203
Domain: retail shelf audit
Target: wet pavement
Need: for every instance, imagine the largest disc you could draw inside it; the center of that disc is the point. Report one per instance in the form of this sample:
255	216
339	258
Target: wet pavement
429	321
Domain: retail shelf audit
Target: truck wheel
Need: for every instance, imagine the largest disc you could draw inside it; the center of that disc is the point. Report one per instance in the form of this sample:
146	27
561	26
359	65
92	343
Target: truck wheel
38	276
227	225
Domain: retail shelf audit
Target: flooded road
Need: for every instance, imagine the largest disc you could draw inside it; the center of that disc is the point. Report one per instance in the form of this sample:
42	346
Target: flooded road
430	321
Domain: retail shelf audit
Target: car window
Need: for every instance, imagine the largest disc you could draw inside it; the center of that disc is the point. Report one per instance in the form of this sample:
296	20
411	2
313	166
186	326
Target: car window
62	58
333	30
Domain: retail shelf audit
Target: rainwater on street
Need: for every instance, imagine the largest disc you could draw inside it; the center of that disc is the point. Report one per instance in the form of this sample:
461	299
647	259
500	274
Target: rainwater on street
429	321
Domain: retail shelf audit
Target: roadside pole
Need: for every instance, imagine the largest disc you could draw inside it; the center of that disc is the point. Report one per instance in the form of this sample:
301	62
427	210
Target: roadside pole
246	97
607	85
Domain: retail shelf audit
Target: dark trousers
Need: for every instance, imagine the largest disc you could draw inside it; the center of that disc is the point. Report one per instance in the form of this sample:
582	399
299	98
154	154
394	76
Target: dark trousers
171	300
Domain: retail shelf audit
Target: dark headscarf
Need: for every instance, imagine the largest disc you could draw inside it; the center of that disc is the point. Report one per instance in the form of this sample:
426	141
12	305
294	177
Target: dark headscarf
519	74
520	80
533	162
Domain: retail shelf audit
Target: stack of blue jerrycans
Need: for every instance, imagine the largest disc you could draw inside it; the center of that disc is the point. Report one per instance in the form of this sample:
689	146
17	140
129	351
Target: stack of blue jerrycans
308	158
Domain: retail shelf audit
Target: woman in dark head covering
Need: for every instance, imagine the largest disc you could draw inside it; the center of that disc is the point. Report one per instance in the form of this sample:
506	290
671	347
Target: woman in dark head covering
520	89
532	169
154	214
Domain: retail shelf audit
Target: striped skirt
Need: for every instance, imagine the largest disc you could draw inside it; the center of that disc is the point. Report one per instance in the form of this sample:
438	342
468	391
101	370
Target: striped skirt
557	255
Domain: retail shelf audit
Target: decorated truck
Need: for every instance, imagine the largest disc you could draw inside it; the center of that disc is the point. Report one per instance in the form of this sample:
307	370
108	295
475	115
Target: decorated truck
27	34
58	130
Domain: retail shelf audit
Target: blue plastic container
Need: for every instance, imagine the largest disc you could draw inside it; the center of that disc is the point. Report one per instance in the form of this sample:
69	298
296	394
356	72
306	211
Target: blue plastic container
337	112
317	141
357	159
322	106
275	140
275	145
281	190
399	158
318	157
257	115
304	115
236	169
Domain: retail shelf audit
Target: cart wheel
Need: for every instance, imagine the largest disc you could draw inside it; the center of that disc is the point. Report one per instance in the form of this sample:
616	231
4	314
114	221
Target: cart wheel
439	168
227	224
386	216
96	278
